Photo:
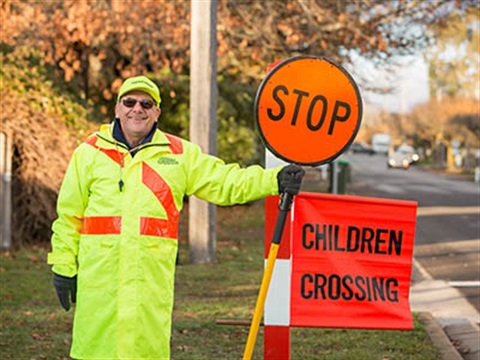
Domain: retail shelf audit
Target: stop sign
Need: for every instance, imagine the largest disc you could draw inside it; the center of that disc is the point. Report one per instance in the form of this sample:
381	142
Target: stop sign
308	110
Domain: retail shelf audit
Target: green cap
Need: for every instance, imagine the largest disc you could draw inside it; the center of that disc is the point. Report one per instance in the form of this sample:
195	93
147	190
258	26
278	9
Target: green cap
140	83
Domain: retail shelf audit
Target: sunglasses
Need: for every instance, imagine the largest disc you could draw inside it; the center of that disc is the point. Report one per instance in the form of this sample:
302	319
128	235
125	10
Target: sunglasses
144	103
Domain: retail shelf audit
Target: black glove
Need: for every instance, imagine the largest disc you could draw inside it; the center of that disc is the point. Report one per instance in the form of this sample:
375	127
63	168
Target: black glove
66	289
290	179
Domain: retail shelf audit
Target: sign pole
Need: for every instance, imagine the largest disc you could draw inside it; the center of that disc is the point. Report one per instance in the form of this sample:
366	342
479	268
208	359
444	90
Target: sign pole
284	207
304	102
334	170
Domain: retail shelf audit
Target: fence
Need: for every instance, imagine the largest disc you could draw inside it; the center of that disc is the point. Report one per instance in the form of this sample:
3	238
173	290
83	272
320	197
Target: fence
5	191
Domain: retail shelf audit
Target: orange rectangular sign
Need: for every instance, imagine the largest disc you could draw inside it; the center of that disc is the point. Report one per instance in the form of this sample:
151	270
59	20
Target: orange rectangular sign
351	262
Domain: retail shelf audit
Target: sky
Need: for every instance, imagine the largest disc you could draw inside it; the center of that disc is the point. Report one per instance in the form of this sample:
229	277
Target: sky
409	80
412	88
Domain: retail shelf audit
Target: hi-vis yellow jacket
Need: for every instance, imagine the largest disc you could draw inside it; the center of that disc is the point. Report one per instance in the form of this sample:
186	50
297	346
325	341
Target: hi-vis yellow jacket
122	243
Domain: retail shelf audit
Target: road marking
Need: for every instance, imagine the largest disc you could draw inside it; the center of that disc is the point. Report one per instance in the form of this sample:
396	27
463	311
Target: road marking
390	189
464	284
429	189
448	210
459	247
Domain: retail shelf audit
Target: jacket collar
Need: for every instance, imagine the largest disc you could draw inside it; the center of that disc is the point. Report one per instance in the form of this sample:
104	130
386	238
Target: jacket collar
106	133
117	134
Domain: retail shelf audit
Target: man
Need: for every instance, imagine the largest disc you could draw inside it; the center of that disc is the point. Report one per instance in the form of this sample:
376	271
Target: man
116	232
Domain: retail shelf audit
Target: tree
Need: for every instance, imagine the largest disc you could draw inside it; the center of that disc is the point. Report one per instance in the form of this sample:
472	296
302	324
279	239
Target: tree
89	46
95	44
438	121
454	64
253	34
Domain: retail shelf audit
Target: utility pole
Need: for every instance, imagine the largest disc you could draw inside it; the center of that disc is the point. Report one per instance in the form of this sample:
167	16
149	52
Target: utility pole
203	121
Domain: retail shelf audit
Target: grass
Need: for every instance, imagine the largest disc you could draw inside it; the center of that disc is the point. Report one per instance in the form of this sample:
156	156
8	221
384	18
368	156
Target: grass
33	326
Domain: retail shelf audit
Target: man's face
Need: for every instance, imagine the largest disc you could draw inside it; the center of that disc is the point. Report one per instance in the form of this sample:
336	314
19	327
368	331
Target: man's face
136	121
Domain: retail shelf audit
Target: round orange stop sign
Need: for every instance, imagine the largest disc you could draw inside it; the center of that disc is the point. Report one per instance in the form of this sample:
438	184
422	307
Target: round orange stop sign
308	110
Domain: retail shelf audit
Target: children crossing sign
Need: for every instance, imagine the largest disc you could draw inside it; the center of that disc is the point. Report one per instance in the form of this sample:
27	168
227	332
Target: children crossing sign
344	262
308	110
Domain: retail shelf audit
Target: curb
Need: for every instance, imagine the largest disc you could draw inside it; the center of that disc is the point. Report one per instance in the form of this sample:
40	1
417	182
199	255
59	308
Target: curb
466	339
439	338
448	318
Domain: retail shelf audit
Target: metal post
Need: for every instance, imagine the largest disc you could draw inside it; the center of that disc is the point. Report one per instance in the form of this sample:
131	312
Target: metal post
5	192
334	177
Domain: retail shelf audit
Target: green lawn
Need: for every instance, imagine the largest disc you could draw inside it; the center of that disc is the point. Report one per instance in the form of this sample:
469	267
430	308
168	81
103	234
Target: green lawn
34	326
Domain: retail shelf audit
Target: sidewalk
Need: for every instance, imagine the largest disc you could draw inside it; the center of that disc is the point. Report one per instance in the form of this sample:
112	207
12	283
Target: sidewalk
450	320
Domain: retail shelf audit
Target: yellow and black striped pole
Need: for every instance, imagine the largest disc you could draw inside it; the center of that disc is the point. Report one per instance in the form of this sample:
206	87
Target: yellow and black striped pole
286	201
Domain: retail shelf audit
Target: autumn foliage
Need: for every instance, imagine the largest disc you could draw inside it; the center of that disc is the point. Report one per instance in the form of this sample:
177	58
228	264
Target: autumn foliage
63	62
96	44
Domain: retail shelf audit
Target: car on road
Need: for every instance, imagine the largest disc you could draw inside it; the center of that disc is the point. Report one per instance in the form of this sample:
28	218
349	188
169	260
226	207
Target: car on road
361	148
402	157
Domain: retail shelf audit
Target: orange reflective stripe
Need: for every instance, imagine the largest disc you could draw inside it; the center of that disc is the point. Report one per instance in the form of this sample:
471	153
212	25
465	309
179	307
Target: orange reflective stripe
101	225
113	154
163	193
158	227
176	145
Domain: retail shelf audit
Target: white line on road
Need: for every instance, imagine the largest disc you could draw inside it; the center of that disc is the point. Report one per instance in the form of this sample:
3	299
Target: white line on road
448	210
464	284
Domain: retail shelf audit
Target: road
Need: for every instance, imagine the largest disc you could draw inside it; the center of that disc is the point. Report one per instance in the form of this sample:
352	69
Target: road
447	238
